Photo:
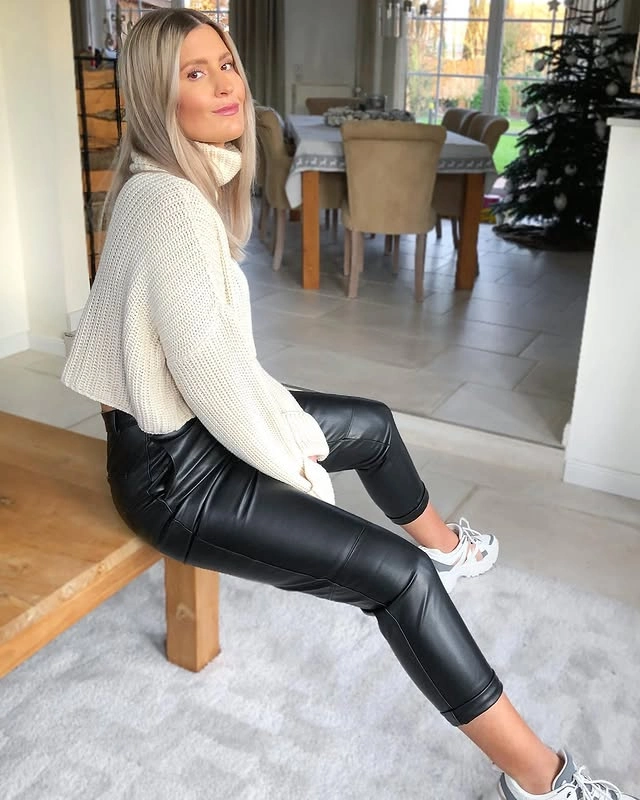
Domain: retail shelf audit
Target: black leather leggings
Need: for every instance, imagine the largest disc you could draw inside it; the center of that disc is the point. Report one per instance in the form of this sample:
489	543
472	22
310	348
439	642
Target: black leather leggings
196	502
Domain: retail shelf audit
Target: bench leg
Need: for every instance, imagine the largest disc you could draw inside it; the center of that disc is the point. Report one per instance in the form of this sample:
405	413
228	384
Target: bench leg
192	614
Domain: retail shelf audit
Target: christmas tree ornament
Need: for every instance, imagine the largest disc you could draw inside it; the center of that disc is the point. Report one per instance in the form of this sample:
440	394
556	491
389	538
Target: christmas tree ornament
523	198
601	61
554	5
546	109
550	138
540	64
601	128
560	202
570	170
541	176
612	89
532	114
628	58
564	107
572	59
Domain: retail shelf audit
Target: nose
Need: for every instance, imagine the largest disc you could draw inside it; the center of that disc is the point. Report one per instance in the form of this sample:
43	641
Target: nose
223	85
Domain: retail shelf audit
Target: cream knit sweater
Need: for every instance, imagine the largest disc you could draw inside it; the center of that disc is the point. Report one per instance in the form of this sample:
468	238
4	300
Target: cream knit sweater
166	333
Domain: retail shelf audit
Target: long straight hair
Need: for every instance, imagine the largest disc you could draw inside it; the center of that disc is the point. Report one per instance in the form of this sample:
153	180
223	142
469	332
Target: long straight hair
149	73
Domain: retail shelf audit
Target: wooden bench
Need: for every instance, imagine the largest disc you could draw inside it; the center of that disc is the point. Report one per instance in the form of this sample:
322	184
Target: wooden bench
64	549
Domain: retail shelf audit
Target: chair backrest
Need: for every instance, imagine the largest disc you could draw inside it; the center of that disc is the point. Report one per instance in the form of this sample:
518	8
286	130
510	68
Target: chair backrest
391	168
488	128
454	118
463	130
277	161
318	105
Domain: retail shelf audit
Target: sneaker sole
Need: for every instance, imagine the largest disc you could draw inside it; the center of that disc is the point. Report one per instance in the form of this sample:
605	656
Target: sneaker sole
450	578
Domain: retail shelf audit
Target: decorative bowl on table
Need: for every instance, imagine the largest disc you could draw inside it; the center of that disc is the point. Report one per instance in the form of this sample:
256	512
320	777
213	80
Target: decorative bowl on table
336	116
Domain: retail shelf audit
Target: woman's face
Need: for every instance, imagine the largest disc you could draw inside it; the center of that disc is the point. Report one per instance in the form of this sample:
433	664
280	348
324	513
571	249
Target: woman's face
211	95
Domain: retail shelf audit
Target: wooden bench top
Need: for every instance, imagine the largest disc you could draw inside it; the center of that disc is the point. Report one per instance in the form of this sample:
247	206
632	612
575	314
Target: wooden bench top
63	547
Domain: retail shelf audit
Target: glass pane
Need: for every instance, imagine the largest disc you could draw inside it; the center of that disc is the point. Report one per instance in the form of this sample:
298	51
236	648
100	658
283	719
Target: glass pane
456	92
532	9
474	9
517	39
464	47
423	45
421	97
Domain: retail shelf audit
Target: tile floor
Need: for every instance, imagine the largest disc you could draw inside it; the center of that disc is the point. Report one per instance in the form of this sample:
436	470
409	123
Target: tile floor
501	358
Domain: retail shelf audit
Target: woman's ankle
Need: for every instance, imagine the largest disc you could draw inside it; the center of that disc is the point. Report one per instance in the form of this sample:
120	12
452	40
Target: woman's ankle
538	780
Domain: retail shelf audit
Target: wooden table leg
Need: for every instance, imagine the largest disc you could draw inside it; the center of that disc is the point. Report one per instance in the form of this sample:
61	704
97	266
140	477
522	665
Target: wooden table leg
467	266
310	230
192	614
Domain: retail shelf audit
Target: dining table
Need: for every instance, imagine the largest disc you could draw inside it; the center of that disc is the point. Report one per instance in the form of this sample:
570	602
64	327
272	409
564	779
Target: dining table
318	148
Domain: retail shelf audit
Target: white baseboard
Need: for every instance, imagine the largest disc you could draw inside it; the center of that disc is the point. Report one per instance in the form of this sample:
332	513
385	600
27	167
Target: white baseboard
73	319
14	343
47	344
625	484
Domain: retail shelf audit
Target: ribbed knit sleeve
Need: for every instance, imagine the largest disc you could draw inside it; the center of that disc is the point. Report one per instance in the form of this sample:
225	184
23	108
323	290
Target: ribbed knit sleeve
209	351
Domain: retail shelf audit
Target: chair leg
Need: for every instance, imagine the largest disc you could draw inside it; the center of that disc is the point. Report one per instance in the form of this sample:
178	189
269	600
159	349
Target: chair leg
438	226
357	258
454	232
346	263
334	225
395	264
264	217
388	244
278	250
421	249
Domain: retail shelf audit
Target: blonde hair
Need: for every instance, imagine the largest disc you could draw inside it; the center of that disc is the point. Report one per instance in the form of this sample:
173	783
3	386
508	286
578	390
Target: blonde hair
148	71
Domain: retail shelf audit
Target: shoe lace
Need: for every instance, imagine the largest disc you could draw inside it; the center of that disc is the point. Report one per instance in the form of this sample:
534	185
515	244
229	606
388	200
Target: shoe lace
594	790
467	532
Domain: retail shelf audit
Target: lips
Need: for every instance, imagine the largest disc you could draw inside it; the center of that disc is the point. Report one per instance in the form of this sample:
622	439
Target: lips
228	111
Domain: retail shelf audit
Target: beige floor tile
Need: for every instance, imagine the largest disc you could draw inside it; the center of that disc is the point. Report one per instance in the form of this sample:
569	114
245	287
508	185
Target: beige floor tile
550	347
495	338
550	379
562	543
479	366
402	389
306	304
93	426
538	419
42	397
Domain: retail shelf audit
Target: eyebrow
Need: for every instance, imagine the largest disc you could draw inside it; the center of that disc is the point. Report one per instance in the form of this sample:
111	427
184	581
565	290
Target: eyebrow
200	62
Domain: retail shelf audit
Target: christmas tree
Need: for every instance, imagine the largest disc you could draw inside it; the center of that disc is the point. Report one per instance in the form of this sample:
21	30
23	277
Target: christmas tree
553	188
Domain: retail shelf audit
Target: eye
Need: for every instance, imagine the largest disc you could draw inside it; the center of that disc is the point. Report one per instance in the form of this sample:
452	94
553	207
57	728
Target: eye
194	74
229	65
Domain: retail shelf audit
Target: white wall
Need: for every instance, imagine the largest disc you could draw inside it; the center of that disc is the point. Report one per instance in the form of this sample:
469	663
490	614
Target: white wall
603	449
14	320
44	193
320	44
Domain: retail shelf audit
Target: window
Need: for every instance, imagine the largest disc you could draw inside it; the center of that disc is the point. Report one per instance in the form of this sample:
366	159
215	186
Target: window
217	9
473	53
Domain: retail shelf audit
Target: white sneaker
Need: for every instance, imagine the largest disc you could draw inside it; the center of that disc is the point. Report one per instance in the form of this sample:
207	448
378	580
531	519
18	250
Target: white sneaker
571	783
474	554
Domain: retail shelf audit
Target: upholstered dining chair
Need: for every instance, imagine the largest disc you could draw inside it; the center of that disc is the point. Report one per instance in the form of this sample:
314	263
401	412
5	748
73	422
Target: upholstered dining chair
391	169
318	105
448	194
277	164
454	118
463	130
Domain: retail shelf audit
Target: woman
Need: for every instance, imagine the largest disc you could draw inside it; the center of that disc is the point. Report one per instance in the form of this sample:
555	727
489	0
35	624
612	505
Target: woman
213	461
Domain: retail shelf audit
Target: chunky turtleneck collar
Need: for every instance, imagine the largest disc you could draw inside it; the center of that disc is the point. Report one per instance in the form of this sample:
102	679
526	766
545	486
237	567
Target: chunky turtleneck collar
226	161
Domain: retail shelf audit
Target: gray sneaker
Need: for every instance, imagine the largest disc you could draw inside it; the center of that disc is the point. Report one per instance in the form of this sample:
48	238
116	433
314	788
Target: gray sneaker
572	783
